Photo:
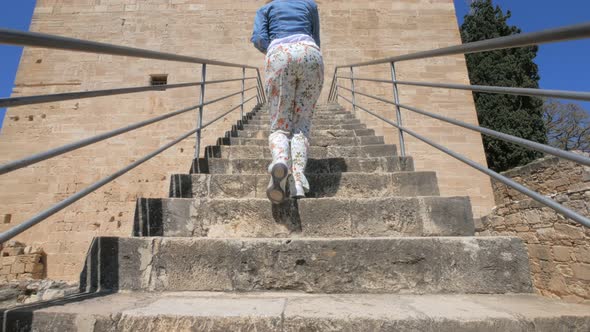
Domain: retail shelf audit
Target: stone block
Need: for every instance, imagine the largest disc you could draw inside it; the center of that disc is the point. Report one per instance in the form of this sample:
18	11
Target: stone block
52	294
270	312
12	251
316	166
565	231
327	217
7	260
29	267
390	265
25	276
582	254
558	285
539	251
581	271
17	268
5	270
562	254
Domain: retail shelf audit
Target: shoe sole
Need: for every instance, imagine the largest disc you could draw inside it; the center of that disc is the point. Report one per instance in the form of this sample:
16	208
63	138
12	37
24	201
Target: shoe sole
275	192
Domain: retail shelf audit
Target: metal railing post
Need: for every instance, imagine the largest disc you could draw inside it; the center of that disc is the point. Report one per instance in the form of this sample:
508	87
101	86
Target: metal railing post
398	113
200	116
243	83
259	90
262	94
258	100
353	90
333	86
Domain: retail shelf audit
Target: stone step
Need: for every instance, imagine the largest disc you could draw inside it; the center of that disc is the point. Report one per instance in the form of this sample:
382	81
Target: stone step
333	117
293	312
317	134
331	106
253	127
325	142
317	112
323	217
315	122
315	152
345	185
326	165
437	265
319	107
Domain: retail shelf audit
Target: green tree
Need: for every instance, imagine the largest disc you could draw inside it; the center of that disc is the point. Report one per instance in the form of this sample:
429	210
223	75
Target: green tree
515	115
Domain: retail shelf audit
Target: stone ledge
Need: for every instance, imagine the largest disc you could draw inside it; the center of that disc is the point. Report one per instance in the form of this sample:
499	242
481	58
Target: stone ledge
270	312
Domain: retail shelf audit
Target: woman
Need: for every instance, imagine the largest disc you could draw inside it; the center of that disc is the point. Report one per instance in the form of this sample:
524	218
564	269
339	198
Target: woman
288	32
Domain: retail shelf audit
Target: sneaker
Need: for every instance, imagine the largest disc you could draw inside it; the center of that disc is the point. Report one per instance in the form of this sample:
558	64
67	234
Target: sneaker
276	191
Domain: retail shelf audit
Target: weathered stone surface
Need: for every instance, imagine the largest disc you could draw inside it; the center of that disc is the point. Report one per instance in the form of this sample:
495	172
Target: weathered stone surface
204	311
315	152
328	217
315	134
316	122
214	30
330	117
317	166
342	141
364	265
20	262
346	185
30	291
259	126
558	247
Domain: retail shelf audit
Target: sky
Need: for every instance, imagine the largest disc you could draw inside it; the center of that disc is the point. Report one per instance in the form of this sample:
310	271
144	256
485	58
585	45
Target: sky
14	14
562	66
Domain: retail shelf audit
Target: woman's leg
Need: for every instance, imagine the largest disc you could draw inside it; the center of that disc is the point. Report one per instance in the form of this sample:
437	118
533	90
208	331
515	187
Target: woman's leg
281	93
309	86
281	97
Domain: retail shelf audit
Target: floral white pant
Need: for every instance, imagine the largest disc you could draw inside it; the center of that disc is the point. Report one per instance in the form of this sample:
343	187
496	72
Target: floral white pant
294	80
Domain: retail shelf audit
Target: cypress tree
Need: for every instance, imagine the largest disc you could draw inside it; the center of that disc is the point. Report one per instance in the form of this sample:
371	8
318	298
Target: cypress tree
515	115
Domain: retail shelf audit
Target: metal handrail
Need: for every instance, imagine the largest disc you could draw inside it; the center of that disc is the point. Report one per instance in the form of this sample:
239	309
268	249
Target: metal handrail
38	157
505	180
502	136
25	38
571	32
506	137
14	231
562	94
548	36
366	79
40	99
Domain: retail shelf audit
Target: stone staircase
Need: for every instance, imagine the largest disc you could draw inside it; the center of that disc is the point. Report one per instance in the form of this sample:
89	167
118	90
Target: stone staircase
372	248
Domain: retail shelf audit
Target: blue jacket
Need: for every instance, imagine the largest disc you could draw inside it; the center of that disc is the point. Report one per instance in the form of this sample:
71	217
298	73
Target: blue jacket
283	18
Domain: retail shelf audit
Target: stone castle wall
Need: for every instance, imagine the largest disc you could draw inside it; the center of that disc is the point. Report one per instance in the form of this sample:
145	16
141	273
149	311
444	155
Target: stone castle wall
20	262
351	31
559	249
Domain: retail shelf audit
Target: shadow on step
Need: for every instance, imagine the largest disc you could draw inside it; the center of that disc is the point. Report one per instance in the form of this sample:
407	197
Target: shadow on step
148	219
287	214
242	180
21	318
98	278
